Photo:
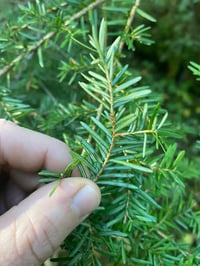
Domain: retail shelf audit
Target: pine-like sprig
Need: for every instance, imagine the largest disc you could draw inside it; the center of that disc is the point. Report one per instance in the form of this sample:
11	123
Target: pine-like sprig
62	74
117	145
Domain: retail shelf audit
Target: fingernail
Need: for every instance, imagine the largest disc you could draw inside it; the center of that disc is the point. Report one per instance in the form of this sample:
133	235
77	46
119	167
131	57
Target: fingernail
85	201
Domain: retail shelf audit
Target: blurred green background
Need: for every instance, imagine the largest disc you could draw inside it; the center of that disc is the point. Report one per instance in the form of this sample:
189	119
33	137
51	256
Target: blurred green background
164	65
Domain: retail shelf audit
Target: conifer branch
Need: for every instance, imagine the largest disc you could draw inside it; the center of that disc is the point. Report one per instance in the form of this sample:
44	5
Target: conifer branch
113	122
122	142
48	36
129	22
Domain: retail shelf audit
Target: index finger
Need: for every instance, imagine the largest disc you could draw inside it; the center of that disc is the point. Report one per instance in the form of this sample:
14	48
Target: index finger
30	151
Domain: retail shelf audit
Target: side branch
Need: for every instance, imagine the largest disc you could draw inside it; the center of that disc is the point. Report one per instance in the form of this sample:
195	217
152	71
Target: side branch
48	36
148	131
23	55
113	122
129	22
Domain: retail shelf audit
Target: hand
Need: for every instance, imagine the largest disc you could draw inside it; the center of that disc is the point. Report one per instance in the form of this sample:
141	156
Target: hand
32	223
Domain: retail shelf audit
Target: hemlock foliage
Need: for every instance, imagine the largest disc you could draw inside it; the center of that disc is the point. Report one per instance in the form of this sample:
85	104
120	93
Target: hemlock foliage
62	72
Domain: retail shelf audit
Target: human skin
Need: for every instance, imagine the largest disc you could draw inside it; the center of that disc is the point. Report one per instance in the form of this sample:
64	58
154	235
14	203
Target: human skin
33	224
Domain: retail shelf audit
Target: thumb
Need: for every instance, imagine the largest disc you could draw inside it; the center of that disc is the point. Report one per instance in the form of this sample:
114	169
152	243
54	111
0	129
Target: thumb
31	231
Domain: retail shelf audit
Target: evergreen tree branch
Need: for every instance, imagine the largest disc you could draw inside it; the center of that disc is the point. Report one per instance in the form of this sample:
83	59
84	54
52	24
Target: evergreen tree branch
129	22
117	132
113	121
48	36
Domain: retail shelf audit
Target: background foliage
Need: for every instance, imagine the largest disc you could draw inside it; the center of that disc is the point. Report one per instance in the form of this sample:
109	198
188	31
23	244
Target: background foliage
79	70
